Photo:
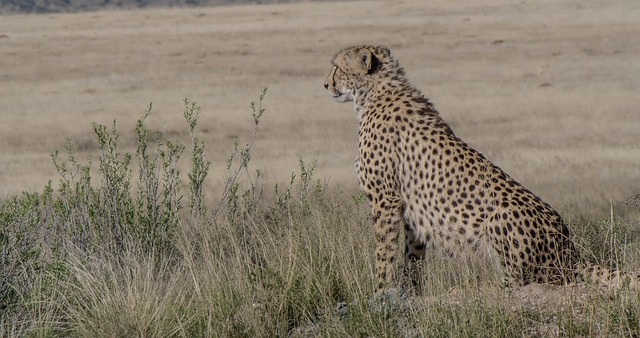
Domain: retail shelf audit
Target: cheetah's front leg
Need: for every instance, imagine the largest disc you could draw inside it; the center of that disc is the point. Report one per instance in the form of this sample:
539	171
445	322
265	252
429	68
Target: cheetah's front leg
388	223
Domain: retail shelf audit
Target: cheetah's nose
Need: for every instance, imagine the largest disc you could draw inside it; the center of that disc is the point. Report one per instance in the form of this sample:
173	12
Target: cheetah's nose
326	85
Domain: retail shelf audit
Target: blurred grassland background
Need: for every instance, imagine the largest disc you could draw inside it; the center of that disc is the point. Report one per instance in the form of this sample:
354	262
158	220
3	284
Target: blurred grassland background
547	90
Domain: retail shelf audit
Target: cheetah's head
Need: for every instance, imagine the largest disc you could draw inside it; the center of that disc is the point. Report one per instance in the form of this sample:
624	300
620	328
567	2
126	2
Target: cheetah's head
354	69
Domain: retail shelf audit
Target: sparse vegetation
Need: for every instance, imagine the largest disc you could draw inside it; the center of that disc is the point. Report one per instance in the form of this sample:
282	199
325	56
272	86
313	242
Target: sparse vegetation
186	225
57	6
92	256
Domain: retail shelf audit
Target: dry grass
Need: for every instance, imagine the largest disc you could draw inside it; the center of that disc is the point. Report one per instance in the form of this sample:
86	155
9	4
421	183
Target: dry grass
548	90
483	63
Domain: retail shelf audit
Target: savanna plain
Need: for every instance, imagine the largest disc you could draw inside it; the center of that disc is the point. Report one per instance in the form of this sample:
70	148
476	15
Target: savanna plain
239	214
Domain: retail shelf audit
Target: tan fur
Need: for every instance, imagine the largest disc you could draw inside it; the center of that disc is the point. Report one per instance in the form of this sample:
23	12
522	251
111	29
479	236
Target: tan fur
420	177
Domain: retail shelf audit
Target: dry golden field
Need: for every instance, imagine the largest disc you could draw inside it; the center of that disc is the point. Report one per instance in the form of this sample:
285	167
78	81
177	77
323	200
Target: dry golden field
549	90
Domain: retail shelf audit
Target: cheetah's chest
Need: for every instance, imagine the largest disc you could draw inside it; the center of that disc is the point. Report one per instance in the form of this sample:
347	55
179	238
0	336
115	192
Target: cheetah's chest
376	161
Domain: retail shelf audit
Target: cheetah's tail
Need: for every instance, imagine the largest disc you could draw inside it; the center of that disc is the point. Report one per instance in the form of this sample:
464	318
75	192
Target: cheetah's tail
609	278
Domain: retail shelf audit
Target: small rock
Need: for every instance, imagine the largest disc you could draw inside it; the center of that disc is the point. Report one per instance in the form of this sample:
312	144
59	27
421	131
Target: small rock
393	298
342	309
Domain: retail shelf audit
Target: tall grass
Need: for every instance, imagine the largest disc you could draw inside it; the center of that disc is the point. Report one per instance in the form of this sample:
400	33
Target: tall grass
102	254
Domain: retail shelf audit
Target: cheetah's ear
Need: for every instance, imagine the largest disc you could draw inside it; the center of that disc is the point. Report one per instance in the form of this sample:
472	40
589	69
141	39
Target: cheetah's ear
369	60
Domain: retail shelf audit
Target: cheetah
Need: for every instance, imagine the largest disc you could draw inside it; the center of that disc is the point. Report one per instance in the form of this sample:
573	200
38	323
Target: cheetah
417	175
